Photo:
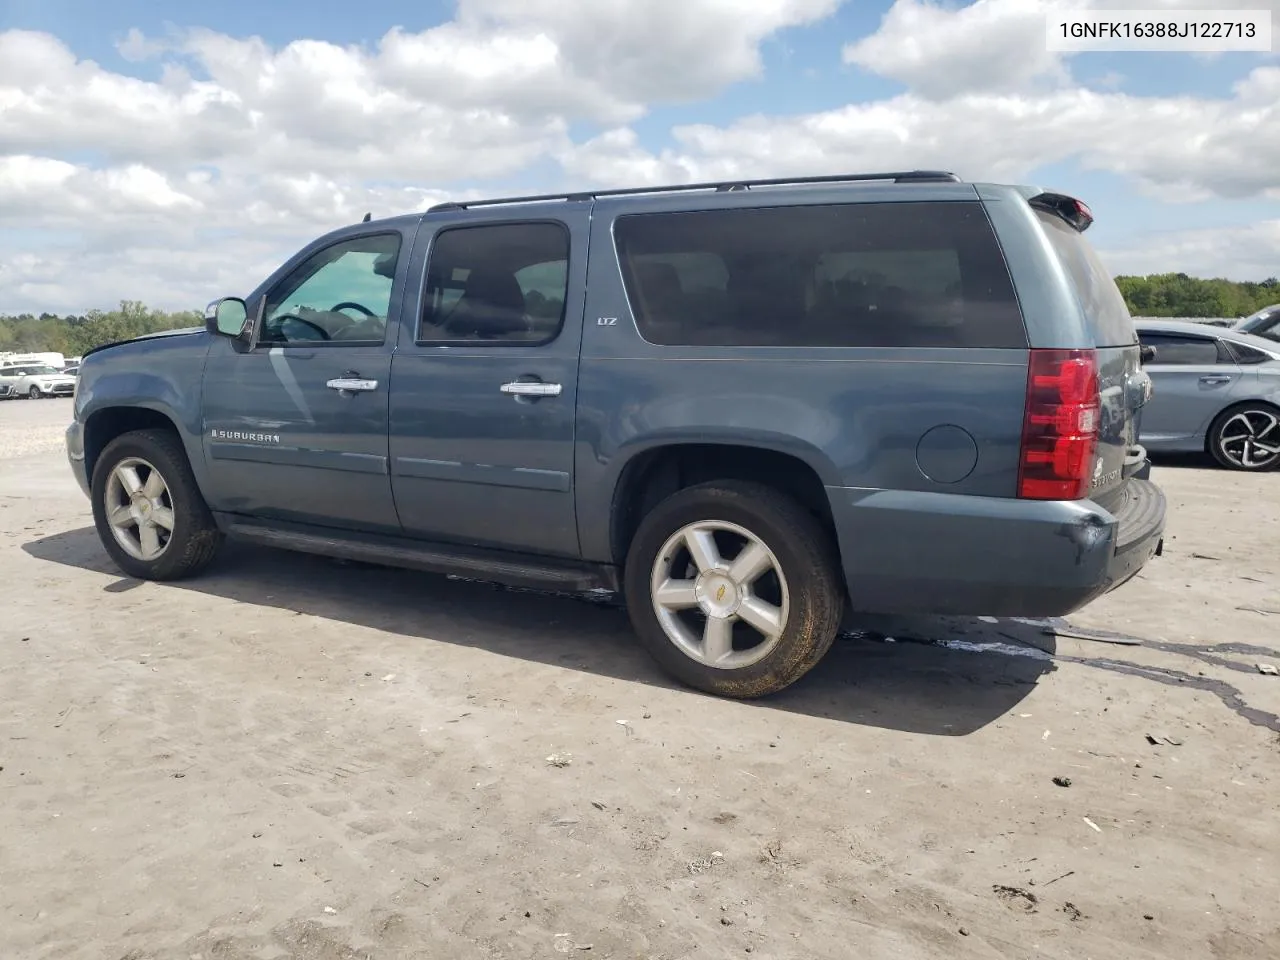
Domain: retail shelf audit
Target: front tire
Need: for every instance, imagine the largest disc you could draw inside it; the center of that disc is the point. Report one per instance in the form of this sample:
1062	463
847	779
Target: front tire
733	588
149	512
1246	437
34	393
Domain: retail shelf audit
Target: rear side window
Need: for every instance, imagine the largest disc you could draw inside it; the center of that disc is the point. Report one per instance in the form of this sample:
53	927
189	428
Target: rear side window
496	284
1100	298
1243	353
907	274
1181	350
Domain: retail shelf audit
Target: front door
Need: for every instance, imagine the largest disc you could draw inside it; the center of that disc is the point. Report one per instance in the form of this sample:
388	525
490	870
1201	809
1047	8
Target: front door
485	386
295	427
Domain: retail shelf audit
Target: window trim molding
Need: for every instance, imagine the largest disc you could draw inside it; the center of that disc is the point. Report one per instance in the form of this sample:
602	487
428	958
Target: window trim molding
260	345
564	227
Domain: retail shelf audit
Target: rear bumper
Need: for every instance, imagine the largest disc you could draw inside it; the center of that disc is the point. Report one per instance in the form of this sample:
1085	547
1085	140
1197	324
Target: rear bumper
947	554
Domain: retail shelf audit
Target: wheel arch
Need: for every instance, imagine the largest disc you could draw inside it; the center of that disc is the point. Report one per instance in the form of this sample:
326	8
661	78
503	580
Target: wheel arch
653	474
1211	426
106	423
1271	405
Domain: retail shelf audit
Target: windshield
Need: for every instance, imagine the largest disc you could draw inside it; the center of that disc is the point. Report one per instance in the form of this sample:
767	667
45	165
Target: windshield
1264	323
41	371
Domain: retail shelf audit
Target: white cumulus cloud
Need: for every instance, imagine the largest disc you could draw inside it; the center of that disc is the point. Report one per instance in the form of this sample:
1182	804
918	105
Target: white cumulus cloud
193	184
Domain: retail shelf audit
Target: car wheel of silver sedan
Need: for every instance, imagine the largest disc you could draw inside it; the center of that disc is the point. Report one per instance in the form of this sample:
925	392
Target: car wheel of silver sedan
1246	437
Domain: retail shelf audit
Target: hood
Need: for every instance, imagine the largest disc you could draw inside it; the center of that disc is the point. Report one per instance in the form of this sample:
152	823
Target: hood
159	334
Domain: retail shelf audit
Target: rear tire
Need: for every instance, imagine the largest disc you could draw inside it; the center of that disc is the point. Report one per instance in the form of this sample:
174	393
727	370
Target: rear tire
149	512
742	553
1235	433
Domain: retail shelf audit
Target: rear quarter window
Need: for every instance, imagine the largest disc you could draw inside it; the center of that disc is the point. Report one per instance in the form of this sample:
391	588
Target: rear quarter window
1105	310
1243	353
903	274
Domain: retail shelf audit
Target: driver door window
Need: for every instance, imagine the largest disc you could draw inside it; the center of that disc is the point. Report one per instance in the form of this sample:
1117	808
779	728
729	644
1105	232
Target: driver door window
340	296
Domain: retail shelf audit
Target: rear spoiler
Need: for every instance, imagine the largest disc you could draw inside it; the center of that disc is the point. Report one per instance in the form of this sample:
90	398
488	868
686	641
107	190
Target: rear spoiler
1070	209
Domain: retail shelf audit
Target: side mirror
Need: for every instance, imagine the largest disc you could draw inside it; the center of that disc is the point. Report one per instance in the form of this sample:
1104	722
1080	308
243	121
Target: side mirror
227	317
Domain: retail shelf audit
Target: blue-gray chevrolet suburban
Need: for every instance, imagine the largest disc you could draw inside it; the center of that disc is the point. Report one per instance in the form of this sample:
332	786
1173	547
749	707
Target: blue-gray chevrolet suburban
752	409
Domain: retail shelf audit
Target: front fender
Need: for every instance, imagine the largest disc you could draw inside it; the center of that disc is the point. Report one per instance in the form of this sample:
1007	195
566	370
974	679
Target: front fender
128	390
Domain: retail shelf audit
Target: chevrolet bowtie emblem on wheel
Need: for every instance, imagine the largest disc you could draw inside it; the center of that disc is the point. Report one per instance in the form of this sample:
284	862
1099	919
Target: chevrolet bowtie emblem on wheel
720	594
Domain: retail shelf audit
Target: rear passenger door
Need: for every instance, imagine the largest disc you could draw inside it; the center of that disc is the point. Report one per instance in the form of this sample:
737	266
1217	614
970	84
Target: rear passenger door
485	383
1193	379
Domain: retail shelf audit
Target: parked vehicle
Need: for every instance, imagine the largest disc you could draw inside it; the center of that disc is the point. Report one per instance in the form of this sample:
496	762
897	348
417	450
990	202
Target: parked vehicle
1215	390
1263	323
752	408
6	389
36	381
45	358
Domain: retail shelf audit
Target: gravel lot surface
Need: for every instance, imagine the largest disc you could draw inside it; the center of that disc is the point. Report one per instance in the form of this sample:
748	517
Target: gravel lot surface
290	757
32	426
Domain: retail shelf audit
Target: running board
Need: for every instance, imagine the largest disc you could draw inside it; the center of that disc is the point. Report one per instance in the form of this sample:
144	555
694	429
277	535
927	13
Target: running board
495	566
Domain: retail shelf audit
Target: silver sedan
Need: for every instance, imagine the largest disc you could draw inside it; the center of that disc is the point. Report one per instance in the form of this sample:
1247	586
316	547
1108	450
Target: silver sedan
1214	389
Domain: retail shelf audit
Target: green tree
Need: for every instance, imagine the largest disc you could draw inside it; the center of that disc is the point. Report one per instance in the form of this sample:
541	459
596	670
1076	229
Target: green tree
1178	295
74	335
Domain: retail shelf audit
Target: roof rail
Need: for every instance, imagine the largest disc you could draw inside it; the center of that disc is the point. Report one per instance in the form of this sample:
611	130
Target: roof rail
726	186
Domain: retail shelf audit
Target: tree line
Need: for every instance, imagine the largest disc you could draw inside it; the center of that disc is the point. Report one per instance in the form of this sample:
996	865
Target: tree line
1158	295
1178	295
73	335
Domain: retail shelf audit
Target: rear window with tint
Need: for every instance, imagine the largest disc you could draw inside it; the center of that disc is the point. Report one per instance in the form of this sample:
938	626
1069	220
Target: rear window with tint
1100	298
906	274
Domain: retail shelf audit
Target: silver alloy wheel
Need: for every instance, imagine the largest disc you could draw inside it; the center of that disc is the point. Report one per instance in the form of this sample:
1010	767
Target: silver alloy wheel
1251	439
139	509
692	578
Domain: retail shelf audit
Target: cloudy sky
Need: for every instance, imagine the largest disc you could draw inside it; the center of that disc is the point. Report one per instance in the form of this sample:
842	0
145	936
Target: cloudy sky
177	152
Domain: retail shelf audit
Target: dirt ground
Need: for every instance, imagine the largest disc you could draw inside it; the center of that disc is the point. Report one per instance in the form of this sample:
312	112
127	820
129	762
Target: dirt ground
291	757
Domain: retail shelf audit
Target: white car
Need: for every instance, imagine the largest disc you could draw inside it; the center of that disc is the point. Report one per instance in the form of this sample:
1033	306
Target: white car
36	380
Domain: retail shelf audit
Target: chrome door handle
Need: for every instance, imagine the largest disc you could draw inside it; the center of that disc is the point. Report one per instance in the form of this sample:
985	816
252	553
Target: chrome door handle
531	388
352	385
1215	378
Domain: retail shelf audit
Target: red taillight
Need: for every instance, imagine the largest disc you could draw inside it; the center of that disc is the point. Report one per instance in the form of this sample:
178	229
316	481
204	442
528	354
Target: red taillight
1060	425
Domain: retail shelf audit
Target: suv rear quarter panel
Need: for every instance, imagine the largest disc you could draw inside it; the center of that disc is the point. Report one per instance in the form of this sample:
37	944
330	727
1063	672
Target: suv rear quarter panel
865	419
1050	310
